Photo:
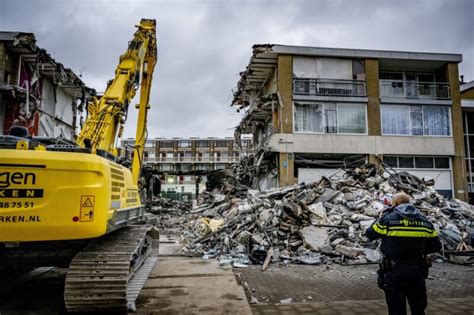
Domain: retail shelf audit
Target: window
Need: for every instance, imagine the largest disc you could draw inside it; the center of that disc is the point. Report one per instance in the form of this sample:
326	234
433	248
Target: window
166	144
424	162
202	143
391	161
330	118
165	167
150	144
169	155
409	84
441	162
351	118
436	120
202	167
395	119
419	162
308	118
221	143
184	144
185	167
415	120
405	162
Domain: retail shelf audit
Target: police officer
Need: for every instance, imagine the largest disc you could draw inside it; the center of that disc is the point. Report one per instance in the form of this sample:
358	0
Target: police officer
407	237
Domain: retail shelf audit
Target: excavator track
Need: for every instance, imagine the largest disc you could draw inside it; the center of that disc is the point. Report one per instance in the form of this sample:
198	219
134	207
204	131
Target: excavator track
110	272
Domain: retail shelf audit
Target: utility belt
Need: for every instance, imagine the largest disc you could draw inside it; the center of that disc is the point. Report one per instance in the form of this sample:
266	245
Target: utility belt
388	264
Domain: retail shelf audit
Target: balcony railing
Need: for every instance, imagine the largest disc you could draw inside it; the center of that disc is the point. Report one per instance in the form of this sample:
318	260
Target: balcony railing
407	89
329	87
193	159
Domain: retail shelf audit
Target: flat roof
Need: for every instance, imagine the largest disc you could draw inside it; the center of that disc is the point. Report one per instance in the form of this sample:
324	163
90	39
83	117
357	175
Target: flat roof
364	53
466	86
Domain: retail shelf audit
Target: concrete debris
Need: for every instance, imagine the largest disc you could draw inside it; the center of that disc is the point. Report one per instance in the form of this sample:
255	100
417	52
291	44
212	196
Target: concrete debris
314	223
313	237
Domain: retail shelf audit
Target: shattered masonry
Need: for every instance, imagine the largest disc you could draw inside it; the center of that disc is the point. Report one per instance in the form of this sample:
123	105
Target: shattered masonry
314	223
36	91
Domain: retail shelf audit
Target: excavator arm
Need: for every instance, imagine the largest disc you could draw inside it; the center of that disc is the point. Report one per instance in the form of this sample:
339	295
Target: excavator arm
106	117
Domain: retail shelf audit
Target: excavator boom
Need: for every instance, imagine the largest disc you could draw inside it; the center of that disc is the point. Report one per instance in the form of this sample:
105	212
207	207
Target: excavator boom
107	116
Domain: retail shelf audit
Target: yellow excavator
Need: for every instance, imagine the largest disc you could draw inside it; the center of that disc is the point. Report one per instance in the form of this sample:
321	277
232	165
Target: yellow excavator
75	205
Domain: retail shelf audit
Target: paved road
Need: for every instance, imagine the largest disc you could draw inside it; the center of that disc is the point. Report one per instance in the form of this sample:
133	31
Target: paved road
340	283
349	289
436	307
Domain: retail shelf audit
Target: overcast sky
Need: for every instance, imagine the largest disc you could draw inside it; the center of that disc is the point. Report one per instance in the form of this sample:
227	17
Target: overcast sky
203	45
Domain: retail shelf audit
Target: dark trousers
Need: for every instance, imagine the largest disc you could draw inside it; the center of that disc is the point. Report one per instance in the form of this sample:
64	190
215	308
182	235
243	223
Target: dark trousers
405	282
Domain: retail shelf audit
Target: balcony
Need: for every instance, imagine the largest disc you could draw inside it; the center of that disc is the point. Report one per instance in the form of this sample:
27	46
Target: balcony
193	159
415	90
328	87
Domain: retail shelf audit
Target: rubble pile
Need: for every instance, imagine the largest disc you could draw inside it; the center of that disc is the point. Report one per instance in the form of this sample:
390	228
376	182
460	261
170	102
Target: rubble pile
169	213
318	222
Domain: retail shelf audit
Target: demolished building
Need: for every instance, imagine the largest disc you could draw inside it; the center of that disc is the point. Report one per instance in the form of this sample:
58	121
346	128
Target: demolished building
36	91
314	110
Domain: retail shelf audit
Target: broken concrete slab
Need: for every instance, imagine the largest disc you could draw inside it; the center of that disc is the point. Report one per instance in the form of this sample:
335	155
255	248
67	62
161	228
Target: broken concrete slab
314	237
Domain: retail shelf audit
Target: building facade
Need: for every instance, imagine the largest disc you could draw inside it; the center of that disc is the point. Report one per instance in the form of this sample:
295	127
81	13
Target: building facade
36	91
183	163
314	110
467	102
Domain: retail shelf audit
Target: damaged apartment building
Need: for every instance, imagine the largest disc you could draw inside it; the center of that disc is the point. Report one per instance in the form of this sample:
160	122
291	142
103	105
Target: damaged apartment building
183	164
467	103
36	91
313	111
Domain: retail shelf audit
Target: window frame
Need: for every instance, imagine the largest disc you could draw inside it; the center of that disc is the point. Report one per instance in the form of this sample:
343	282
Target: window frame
410	120
323	110
413	157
